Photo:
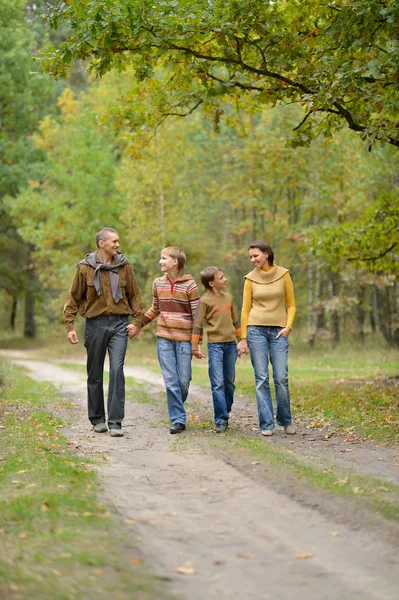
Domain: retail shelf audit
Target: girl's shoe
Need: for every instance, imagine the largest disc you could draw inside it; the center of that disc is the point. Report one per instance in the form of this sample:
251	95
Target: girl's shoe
267	431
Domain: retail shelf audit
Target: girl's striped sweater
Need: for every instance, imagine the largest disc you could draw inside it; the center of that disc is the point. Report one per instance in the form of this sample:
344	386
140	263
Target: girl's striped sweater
174	303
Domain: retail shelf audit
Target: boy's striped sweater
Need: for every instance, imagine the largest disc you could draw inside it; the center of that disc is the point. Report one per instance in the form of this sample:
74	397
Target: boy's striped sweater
174	303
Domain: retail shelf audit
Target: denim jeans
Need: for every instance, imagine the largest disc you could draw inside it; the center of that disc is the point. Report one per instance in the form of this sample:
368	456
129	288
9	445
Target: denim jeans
222	358
175	362
264	346
107	332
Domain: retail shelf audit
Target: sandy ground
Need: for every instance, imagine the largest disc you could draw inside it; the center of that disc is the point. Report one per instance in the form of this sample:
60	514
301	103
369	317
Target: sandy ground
211	526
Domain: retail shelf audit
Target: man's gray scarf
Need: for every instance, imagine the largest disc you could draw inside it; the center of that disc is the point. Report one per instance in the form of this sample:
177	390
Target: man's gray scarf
119	260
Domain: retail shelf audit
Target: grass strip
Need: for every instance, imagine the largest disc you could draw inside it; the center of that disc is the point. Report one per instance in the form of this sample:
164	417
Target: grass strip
366	491
57	539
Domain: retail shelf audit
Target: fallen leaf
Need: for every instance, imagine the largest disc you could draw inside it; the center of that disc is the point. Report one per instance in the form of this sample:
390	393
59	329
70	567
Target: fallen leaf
219	561
245	555
23	471
357	490
303	555
203	489
256	462
105	457
45	506
382	488
135	560
186	569
334	533
129	522
13	588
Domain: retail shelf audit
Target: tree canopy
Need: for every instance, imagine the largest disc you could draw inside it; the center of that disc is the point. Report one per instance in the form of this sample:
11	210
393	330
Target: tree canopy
338	59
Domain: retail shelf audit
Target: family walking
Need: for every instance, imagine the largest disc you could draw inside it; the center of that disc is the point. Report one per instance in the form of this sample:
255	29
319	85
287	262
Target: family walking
105	292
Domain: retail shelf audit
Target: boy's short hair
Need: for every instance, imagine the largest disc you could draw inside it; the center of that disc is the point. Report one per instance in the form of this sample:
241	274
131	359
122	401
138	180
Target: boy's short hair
207	275
177	254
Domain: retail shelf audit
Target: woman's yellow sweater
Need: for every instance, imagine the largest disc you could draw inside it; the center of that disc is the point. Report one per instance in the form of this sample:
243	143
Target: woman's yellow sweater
268	299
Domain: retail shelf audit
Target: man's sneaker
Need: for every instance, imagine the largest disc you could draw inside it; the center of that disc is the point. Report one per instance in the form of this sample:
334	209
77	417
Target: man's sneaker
177	428
221	427
267	431
100	428
290	429
116	432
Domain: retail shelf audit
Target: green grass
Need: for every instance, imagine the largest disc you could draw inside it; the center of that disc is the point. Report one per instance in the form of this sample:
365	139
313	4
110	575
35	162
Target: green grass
369	492
58	540
350	390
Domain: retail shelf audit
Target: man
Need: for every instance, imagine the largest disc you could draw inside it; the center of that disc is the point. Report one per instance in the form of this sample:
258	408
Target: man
105	291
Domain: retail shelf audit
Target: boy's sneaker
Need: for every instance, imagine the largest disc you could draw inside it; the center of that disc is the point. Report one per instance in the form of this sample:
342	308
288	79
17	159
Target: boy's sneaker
100	428
267	431
116	432
221	427
290	429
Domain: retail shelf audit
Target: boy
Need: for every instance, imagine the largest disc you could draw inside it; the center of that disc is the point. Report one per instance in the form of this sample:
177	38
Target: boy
175	299
216	307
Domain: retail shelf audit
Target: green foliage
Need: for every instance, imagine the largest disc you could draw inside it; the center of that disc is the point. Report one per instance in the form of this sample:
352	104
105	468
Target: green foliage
339	59
370	242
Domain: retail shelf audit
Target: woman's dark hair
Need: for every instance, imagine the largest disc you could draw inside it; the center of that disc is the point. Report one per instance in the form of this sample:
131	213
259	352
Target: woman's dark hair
263	247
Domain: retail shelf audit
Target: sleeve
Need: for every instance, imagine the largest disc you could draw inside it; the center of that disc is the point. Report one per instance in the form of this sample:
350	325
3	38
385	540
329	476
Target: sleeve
199	318
289	300
193	298
76	294
134	297
246	307
235	320
152	312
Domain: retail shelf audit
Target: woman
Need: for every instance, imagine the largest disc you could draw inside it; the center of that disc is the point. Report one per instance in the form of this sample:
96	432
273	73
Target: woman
267	316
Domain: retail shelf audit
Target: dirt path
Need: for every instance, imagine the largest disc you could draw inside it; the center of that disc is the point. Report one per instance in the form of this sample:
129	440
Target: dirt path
212	530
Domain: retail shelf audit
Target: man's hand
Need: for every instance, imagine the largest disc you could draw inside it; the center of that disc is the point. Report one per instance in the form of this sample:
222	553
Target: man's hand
73	337
132	331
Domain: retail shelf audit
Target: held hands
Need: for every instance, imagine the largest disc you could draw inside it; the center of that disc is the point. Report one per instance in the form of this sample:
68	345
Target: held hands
73	337
132	331
198	353
242	348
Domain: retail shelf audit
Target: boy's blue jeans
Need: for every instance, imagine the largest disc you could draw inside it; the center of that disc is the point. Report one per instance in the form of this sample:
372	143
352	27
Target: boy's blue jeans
263	345
222	358
175	362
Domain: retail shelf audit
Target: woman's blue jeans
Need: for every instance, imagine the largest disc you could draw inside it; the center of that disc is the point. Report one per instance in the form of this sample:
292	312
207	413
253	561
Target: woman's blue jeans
222	358
264	346
175	362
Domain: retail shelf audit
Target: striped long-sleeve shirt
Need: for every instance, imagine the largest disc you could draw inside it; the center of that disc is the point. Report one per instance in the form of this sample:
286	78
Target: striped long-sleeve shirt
174	303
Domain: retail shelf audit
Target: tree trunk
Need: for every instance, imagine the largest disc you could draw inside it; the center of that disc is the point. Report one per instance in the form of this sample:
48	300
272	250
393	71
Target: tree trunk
311	324
13	313
320	314
30	325
360	313
333	289
381	314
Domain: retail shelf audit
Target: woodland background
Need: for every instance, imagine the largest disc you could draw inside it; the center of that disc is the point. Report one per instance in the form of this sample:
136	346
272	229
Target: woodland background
79	151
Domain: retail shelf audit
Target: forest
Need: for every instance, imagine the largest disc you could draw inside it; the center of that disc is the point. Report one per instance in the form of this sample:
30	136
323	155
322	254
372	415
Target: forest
205	125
